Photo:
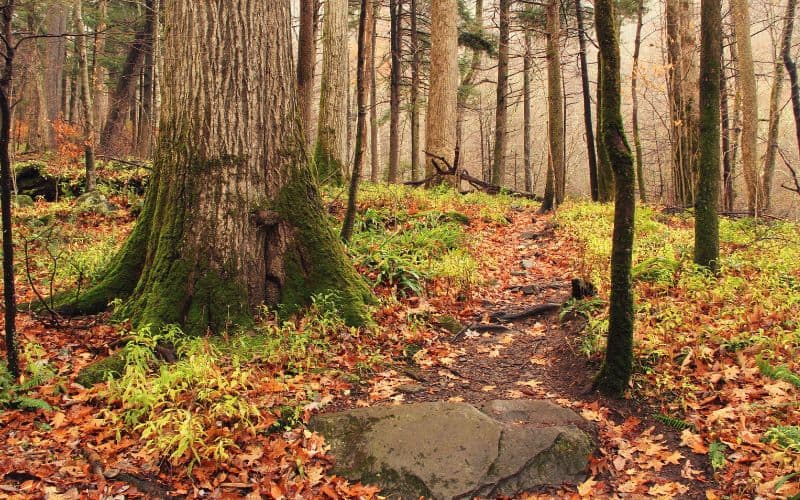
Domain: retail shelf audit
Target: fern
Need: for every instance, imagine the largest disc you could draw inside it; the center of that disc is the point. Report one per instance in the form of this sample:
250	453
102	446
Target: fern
32	404
781	372
786	437
673	422
716	454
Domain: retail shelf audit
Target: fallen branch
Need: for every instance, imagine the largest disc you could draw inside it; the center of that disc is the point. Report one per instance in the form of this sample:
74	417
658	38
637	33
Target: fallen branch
540	309
153	489
445	169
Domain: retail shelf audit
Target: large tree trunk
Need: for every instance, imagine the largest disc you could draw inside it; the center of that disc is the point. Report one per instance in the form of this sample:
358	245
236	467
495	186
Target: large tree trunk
414	92
306	64
365	61
332	147
526	109
440	125
747	79
86	96
501	112
637	142
233	218
55	56
706	232
616	370
113	139
555	101
395	11
587	104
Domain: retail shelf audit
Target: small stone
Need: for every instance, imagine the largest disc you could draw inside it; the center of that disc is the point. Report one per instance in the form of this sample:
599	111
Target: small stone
527	264
529	235
410	388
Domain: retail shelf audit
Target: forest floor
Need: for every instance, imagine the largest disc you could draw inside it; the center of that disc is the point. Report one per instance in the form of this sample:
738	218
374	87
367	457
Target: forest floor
706	415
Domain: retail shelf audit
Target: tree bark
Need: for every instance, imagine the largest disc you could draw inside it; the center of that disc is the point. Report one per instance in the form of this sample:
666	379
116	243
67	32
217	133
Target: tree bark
605	174
587	103
414	93
727	147
706	251
99	73
86	96
332	147
144	135
232	219
618	365
465	88
501	111
747	78
9	293
365	61
637	143
306	65
395	8
440	125
555	101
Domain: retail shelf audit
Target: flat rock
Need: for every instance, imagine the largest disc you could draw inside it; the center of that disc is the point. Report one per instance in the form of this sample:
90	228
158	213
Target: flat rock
527	264
456	450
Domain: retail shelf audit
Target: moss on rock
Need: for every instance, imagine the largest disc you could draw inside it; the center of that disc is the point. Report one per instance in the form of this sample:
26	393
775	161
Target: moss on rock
101	370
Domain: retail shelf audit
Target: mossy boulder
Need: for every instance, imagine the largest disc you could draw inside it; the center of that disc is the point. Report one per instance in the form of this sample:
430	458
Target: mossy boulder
22	201
33	180
100	370
456	450
94	202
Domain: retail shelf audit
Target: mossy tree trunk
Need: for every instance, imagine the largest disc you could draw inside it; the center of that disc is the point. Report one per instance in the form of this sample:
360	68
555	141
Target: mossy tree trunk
555	100
706	251
232	219
616	370
605	175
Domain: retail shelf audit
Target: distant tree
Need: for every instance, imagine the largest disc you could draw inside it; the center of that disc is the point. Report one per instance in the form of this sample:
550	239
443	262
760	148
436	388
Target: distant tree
232	219
414	91
306	64
86	95
555	101
791	69
331	151
395	15
637	142
587	103
501	111
706	247
617	367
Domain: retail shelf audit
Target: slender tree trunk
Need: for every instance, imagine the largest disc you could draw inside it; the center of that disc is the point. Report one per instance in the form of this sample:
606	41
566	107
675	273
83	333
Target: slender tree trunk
587	103
144	134
637	143
332	148
526	110
706	237
605	174
727	152
86	96
747	78
775	116
791	67
395	8
465	88
440	125
365	60
232	218
548	202
501	112
9	296
55	57
555	100
414	91
123	98
374	157
99	73
616	370
306	65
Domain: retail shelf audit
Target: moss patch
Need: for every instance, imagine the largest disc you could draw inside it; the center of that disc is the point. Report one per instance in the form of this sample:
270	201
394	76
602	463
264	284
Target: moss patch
100	370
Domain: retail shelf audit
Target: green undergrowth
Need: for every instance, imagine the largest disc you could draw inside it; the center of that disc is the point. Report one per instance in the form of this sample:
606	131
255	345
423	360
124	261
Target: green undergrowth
697	333
222	391
37	372
410	238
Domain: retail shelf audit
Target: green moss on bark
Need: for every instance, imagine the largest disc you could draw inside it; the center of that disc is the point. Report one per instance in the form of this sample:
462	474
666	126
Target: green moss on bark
99	371
329	170
318	261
